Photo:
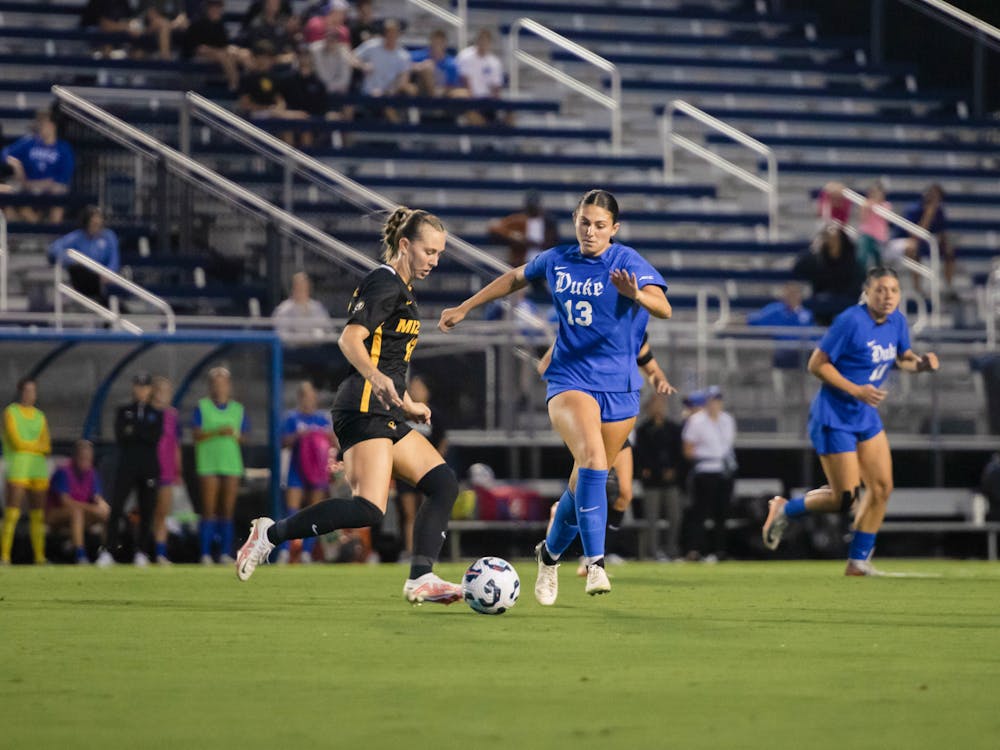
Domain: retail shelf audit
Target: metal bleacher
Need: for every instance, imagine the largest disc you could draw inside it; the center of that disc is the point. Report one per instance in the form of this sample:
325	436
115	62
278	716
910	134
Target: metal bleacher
818	102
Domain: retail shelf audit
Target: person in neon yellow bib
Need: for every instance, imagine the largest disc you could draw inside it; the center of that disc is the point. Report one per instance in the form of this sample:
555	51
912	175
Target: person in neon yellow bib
26	444
219	426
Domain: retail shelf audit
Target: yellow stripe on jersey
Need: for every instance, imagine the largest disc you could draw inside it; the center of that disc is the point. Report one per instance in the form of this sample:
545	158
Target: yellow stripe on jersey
366	394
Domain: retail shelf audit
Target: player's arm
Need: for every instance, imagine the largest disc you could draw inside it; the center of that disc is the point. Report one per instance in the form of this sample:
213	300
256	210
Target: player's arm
650	296
652	370
913	362
352	344
415	410
821	366
500	287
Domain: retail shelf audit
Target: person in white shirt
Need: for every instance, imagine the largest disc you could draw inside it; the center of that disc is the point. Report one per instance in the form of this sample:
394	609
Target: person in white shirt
482	74
301	318
709	438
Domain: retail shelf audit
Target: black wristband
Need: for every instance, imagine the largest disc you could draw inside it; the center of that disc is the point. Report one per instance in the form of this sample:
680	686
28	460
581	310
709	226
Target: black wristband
644	359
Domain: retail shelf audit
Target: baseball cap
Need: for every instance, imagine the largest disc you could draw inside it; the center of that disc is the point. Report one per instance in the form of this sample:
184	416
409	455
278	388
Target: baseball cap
713	392
142	378
696	398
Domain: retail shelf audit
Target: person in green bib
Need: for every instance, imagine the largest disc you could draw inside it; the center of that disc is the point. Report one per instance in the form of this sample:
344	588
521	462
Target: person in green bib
219	426
26	445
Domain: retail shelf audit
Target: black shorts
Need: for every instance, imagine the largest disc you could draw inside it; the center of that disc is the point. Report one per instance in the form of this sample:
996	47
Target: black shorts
353	427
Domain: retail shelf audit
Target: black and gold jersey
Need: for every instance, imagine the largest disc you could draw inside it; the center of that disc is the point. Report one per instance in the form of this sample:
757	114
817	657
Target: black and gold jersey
384	305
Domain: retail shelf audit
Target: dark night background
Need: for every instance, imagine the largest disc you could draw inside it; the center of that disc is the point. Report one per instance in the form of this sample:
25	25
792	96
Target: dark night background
944	56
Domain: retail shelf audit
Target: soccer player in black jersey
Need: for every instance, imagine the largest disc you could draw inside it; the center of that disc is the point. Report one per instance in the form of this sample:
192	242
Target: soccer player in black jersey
370	415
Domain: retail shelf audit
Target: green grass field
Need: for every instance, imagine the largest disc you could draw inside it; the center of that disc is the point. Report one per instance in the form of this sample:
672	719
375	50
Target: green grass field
737	655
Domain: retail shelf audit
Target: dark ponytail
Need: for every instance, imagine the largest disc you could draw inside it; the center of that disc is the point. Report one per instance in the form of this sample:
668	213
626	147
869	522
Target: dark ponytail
601	199
405	222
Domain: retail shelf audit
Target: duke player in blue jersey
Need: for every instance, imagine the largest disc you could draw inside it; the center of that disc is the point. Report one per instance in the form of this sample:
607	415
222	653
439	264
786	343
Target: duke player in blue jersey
853	360
604	293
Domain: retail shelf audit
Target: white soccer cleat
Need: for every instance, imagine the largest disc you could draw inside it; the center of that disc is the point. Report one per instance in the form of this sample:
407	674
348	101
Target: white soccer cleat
776	522
163	561
861	568
547	582
431	588
226	560
597	580
206	560
140	560
104	559
255	550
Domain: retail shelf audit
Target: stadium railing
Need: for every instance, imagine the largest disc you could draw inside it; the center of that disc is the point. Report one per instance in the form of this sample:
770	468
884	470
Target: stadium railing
517	55
670	139
931	272
111	314
459	19
980	33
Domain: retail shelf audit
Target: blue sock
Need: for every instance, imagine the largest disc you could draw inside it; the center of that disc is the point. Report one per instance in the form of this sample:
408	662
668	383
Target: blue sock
161	549
564	528
592	510
81	554
796	507
308	544
225	527
206	533
862	544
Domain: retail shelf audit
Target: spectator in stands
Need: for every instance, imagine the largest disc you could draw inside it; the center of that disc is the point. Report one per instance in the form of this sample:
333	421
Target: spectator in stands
482	75
138	428
386	66
302	323
43	165
220	425
364	25
832	206
830	267
929	214
788	312
168	452
160	20
207	39
259	93
97	242
26	445
873	231
335	65
273	23
301	318
527	232
305	95
408	497
659	460
709	441
76	498
332	15
308	432
110	17
435	71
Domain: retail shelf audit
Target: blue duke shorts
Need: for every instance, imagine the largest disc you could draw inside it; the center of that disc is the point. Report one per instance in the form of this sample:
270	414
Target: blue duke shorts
827	440
615	407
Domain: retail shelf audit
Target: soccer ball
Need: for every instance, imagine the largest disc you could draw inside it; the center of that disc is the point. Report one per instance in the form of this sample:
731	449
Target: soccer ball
491	586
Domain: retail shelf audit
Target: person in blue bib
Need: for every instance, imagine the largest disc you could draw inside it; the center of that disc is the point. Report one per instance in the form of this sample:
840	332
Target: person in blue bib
853	360
604	293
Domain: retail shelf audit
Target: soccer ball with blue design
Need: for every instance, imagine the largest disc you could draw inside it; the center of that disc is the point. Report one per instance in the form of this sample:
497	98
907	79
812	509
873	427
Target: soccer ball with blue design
491	586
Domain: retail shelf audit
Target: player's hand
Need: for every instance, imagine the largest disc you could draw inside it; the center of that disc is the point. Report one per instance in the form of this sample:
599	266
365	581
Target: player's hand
625	282
450	318
870	395
928	363
661	384
419	413
385	390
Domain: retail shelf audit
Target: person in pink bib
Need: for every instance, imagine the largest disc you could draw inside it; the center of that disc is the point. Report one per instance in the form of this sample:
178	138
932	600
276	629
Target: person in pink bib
168	451
76	498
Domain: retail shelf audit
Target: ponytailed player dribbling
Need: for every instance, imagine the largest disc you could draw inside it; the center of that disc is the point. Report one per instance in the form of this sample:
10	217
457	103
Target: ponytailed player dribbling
370	417
853	360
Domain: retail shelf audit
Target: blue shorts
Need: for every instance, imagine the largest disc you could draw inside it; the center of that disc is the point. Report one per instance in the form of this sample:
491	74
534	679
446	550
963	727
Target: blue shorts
827	440
296	482
615	407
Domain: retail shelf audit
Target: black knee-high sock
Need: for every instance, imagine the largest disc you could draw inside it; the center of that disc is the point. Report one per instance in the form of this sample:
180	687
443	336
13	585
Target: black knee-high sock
429	527
324	517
